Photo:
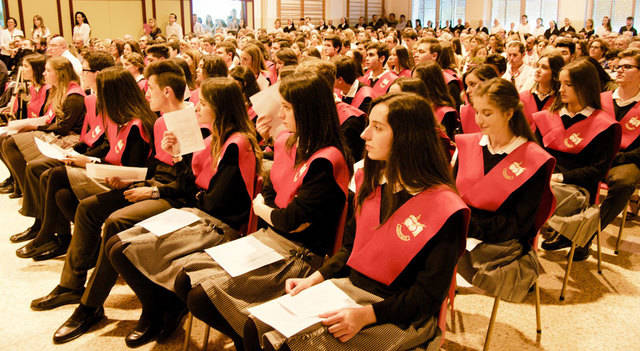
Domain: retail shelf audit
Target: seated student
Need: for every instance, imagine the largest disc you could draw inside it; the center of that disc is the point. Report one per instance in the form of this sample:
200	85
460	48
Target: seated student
399	61
353	92
128	203
222	197
210	66
442	103
134	63
430	49
399	252
304	206
624	105
472	78
546	86
156	52
92	143
252	58
249	86
581	137
38	91
377	77
503	176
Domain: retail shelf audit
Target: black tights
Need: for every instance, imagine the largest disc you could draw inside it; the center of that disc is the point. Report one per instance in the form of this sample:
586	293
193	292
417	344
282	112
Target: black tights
15	161
59	207
202	308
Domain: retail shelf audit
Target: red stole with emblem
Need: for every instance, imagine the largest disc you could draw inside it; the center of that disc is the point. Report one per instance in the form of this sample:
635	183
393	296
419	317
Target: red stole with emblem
451	76
383	83
530	107
630	122
405	73
381	252
577	137
118	139
504	178
38	98
346	111
364	92
440	111
159	127
286	178
202	167
468	119
92	125
74	88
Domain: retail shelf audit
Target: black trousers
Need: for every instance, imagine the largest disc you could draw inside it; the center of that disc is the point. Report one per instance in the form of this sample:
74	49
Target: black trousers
621	181
14	160
59	206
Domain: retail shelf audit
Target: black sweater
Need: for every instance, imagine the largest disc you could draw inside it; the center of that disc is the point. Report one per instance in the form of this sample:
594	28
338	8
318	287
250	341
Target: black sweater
351	130
417	293
73	110
632	153
318	201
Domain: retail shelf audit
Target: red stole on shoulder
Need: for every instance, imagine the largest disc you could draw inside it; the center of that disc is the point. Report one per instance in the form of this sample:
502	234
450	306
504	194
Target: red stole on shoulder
630	122
74	88
92	125
468	119
346	111
118	139
363	93
530	107
383	84
450	76
577	137
405	73
204	170
440	111
381	252
38	98
286	178
489	191
159	127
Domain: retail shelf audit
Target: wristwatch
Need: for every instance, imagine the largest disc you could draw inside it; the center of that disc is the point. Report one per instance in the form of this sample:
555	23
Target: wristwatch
155	193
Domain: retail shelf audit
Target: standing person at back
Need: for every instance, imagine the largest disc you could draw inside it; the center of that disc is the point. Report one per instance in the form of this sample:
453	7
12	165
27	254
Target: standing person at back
81	28
173	28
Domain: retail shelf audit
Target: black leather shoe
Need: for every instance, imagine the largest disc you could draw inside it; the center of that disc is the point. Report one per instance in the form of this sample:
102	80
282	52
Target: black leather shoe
556	242
59	249
15	194
80	321
146	331
57	297
172	321
7	189
30	250
27	234
8	181
580	253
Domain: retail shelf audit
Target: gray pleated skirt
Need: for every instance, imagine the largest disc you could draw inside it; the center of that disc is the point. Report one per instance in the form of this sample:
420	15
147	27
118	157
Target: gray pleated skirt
382	337
162	258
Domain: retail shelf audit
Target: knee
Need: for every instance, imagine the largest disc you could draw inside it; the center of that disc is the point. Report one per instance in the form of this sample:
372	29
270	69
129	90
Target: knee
112	226
198	302
113	247
182	285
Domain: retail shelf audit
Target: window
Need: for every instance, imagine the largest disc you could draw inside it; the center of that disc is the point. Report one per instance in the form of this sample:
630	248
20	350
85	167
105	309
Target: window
617	10
425	11
507	12
545	9
2	14
452	10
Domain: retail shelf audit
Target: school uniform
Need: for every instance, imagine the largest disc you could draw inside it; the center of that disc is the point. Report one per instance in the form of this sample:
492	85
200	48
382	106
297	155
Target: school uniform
506	218
380	85
352	123
468	119
454	84
359	96
448	117
532	102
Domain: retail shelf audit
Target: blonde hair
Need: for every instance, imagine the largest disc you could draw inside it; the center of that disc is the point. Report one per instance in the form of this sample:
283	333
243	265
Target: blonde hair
65	75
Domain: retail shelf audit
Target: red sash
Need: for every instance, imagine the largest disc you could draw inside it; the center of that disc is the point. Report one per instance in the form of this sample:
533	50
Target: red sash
252	114
73	88
440	111
194	98
630	122
272	70
451	76
92	125
530	107
286	178
159	127
144	85
346	111
381	252
383	83
363	93
118	139
405	73
577	137
203	169
506	177
468	119
38	98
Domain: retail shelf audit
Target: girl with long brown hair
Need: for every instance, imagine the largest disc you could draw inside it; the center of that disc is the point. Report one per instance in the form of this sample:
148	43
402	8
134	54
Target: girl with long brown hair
442	103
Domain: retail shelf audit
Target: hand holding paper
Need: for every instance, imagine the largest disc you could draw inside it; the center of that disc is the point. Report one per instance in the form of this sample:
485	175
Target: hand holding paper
183	124
170	143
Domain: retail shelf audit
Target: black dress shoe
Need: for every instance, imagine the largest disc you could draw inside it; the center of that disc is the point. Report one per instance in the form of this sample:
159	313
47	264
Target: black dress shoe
16	194
28	234
7	189
81	320
8	181
59	249
580	253
30	250
556	242
57	297
172	321
146	331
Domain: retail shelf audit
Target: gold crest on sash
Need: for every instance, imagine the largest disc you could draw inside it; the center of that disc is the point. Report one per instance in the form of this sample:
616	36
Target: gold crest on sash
300	172
412	223
119	146
573	140
632	124
515	169
384	83
96	131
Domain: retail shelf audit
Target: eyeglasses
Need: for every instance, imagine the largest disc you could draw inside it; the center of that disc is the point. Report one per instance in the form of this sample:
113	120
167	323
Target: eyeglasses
89	70
625	67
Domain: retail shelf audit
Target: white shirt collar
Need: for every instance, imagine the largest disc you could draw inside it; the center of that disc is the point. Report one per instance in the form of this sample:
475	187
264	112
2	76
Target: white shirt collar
354	89
507	149
623	103
378	77
587	111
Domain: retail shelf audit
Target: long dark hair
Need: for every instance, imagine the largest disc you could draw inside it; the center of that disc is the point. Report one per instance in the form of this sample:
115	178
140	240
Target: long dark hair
417	160
213	66
437	92
586	84
37	63
317	124
555	64
404	62
247	80
225	97
504	95
191	84
120	99
84	17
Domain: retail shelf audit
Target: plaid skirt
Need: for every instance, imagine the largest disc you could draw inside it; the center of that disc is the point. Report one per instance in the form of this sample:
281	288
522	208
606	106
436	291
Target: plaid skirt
232	296
424	335
27	146
161	258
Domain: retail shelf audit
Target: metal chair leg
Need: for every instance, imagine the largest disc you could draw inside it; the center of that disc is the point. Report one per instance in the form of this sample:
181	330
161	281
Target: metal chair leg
187	334
538	322
487	339
624	220
599	249
566	274
205	340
